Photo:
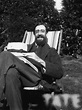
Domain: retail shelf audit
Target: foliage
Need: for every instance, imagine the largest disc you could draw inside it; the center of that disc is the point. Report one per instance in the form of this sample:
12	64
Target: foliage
72	26
20	15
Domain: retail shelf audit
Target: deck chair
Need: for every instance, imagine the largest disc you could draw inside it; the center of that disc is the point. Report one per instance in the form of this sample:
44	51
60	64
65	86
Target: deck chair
54	40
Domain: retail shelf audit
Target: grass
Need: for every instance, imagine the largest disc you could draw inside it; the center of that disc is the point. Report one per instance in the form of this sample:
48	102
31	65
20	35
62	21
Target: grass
72	79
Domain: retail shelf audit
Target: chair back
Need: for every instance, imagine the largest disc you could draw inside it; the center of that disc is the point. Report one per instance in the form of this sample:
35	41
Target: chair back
54	39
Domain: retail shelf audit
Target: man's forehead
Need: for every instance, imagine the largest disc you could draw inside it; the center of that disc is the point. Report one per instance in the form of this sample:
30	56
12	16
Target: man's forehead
40	27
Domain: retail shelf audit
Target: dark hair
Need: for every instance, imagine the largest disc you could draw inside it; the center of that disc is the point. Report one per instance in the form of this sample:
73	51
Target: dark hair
38	25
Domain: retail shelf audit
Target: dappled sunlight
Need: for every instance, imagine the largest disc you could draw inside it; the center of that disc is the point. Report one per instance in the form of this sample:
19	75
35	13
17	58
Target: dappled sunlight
58	5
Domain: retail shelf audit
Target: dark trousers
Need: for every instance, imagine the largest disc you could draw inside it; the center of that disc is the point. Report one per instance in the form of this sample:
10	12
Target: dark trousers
13	90
18	75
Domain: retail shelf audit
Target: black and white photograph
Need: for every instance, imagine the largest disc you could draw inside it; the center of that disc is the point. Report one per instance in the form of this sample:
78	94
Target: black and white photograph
40	55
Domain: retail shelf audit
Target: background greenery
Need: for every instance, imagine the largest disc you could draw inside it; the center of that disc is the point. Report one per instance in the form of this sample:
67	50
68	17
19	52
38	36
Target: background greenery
16	16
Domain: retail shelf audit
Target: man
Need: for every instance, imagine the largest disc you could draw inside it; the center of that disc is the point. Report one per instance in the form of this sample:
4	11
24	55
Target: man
15	74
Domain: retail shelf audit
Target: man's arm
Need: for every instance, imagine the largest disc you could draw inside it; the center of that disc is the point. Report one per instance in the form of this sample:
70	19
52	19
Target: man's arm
53	65
36	58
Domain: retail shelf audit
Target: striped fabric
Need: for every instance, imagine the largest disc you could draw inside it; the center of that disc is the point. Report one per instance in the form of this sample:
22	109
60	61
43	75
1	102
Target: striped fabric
54	39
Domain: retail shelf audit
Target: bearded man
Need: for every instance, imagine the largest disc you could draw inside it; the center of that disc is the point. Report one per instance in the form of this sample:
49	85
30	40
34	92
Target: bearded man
15	74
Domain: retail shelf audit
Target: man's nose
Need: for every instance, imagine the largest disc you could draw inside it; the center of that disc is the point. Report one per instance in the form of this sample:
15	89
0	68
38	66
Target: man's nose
39	32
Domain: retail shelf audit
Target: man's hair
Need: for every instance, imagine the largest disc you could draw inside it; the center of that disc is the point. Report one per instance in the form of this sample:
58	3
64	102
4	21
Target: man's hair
38	25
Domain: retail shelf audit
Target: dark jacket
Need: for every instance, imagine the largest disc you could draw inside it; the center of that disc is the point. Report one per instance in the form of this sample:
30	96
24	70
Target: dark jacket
52	59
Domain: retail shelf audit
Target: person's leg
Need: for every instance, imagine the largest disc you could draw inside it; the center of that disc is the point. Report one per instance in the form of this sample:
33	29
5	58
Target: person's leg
28	77
13	89
15	82
8	60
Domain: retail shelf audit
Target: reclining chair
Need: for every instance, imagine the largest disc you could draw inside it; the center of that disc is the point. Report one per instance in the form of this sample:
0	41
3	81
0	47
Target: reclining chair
34	94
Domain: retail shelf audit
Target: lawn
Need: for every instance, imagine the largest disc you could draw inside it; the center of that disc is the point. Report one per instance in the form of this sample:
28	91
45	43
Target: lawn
72	79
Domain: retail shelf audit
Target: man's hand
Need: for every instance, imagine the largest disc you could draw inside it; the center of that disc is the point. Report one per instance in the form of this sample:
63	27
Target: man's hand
36	58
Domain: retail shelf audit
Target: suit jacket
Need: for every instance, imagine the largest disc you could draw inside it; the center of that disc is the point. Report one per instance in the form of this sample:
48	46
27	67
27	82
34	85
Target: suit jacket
51	58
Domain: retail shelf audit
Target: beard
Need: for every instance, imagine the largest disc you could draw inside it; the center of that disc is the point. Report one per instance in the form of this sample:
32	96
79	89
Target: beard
41	42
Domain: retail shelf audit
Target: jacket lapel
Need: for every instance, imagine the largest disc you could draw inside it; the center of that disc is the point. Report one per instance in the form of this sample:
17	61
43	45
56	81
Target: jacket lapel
43	51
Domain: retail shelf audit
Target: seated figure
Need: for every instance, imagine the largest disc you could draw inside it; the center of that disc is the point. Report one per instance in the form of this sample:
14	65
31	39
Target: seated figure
38	66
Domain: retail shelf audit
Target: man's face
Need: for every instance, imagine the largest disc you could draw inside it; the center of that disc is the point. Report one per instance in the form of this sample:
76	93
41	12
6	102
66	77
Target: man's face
40	34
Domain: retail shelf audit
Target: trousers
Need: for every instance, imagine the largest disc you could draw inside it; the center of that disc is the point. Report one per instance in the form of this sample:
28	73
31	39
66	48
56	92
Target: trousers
14	75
